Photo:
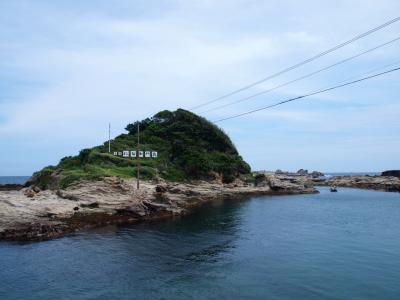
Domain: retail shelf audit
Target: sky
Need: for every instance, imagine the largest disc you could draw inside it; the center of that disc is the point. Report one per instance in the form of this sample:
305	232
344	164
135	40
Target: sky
69	67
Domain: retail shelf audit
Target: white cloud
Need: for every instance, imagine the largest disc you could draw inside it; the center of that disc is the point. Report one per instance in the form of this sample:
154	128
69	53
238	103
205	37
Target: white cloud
98	65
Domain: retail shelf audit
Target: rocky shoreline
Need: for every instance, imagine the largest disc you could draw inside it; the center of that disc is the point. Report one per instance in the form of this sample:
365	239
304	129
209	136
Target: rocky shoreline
383	183
11	187
31	214
388	181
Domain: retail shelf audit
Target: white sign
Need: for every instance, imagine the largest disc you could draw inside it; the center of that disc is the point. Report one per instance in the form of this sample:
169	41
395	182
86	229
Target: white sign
134	154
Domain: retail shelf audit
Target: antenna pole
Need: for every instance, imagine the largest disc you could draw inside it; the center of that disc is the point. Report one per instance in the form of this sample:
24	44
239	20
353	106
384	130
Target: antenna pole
109	137
137	156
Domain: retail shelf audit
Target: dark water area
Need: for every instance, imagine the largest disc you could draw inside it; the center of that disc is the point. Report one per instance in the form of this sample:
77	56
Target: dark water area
13	179
341	245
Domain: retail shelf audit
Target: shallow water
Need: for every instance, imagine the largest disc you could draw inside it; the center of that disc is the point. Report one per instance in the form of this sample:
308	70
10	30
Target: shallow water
341	245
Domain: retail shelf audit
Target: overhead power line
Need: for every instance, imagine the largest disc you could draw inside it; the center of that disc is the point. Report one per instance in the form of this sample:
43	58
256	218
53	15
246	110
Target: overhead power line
378	69
302	77
308	95
360	36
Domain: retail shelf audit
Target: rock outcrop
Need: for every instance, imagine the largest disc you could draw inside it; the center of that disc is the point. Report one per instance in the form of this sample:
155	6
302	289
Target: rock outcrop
385	183
11	187
316	174
34	214
37	215
395	173
302	172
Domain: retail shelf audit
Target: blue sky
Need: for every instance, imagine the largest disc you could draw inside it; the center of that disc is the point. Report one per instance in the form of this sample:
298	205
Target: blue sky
67	68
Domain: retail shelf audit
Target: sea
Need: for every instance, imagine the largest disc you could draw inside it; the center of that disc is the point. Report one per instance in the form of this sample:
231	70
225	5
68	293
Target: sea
329	174
342	245
13	179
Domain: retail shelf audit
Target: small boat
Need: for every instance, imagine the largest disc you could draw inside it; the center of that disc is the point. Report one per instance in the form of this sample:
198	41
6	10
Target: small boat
333	189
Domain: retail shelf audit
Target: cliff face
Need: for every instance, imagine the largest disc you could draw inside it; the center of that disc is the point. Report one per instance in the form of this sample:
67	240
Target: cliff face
189	147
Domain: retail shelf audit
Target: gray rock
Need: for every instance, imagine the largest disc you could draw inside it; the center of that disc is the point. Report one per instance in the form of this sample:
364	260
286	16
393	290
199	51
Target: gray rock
11	187
302	172
316	174
29	193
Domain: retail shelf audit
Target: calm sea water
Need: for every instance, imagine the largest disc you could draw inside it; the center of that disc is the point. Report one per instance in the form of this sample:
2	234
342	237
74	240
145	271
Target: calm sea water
13	179
341	245
353	174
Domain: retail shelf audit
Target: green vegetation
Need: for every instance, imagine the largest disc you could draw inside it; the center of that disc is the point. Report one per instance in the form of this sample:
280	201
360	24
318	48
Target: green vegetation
189	147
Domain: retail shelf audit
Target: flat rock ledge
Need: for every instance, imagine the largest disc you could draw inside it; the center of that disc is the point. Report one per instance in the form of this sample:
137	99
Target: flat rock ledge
384	183
29	214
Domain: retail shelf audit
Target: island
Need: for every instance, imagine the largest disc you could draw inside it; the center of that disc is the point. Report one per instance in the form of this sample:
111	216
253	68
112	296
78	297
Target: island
184	161
196	162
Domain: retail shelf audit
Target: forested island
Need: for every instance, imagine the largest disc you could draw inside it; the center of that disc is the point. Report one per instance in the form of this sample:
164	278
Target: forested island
189	148
196	163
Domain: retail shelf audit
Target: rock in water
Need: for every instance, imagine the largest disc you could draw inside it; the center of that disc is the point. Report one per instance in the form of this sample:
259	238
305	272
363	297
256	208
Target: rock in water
316	174
302	172
11	187
395	173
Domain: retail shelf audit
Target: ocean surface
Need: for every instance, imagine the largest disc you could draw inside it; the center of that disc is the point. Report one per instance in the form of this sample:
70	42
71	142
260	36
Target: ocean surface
343	245
352	174
13	179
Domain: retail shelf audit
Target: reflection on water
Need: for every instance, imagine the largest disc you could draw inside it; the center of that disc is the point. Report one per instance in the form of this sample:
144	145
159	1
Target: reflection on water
329	246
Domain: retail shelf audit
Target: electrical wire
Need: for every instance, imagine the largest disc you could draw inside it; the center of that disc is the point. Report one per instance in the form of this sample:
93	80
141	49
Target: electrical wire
358	37
308	95
302	77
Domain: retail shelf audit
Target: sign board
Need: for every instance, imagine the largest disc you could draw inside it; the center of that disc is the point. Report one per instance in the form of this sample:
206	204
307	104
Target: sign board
134	153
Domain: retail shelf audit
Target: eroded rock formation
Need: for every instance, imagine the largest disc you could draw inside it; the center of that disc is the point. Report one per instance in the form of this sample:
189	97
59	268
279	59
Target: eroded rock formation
36	215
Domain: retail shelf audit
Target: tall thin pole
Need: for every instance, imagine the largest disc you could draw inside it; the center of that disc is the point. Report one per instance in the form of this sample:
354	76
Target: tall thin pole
137	156
109	137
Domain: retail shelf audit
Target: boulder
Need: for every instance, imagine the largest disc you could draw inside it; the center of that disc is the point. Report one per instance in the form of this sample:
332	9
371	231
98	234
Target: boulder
161	189
316	174
302	172
260	180
29	193
36	189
